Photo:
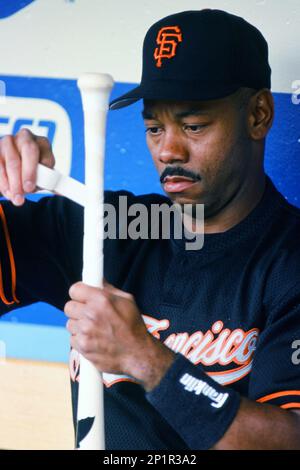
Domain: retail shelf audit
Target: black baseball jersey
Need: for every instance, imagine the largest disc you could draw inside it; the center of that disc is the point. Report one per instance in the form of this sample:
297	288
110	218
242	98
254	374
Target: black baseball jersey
232	307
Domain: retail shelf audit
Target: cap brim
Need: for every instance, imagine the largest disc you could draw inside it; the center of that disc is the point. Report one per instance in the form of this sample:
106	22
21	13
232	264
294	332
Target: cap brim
127	99
174	90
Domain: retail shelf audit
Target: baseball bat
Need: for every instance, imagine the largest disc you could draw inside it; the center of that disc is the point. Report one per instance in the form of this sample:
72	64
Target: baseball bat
95	90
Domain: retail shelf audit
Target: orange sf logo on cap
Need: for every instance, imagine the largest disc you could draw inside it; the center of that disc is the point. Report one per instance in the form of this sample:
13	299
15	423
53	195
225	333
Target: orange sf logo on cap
167	40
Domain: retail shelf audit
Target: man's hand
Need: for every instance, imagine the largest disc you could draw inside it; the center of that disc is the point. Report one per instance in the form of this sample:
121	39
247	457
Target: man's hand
19	157
107	328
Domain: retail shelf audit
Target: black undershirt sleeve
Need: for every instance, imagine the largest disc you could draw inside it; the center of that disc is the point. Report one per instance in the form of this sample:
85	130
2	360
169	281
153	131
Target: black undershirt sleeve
275	376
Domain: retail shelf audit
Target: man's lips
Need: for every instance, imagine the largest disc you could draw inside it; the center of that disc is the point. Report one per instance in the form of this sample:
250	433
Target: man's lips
177	184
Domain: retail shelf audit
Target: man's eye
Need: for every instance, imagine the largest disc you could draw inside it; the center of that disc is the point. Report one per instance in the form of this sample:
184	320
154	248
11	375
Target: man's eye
194	128
153	130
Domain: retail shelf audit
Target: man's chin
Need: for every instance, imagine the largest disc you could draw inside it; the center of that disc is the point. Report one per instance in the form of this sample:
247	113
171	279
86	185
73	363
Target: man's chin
182	199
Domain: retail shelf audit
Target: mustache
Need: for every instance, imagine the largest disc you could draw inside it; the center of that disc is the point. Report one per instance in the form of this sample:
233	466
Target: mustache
179	171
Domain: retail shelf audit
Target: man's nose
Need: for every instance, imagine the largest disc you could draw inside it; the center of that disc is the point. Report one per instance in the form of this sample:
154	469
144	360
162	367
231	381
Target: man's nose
173	149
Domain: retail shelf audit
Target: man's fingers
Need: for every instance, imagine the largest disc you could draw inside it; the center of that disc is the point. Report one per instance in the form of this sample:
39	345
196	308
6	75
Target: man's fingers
72	326
79	311
30	156
46	154
84	326
74	310
87	294
12	162
82	344
33	150
4	185
82	292
19	157
115	291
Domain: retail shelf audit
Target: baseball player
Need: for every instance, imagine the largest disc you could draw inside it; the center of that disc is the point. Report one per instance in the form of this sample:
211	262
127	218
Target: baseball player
195	346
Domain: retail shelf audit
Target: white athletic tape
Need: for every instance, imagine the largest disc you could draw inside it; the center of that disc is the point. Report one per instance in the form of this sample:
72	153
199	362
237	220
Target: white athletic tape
54	181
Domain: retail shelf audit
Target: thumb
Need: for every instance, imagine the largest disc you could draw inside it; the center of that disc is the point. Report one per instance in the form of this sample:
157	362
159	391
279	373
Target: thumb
115	291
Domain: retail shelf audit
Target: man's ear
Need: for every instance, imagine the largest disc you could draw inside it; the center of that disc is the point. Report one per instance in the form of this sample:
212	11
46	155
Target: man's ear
260	114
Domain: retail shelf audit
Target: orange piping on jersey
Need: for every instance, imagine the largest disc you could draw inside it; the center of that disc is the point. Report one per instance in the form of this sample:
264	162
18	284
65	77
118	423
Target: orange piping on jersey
12	264
290	405
277	395
124	379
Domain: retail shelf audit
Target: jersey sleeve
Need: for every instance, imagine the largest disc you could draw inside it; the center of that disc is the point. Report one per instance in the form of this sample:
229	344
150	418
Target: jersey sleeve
40	251
275	376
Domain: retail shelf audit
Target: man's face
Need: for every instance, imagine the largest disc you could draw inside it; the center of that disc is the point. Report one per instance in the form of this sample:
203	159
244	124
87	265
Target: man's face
200	150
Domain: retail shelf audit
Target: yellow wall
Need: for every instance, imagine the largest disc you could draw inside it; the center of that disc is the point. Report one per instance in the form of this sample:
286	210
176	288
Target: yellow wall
35	406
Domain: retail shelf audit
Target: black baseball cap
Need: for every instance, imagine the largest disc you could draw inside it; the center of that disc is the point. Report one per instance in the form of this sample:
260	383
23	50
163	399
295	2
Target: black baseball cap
200	55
